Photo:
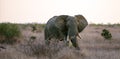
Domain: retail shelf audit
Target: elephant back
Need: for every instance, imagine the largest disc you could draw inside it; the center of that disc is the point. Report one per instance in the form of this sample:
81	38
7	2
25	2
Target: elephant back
61	21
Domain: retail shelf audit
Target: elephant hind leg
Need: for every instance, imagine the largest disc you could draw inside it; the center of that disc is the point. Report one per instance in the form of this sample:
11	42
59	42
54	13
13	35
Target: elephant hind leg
47	37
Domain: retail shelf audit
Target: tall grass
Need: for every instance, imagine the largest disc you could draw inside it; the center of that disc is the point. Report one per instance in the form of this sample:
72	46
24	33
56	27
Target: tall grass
42	51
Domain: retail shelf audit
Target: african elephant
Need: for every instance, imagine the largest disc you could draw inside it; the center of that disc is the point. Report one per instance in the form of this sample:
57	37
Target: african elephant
63	26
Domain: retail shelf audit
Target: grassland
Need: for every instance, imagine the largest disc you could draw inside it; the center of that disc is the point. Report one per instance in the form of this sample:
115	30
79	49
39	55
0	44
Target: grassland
92	44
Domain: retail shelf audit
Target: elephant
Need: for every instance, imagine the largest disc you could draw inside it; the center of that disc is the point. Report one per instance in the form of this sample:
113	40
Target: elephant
64	26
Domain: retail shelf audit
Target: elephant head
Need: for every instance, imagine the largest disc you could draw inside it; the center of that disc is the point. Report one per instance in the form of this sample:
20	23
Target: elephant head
63	26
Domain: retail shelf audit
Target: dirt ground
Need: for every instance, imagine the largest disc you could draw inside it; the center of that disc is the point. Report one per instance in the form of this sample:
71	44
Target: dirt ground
92	44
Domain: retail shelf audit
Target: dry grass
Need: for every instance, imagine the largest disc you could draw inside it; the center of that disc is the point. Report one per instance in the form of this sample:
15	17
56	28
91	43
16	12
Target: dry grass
92	44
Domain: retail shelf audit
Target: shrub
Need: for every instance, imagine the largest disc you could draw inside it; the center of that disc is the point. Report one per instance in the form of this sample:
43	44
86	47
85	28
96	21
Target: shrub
9	31
106	34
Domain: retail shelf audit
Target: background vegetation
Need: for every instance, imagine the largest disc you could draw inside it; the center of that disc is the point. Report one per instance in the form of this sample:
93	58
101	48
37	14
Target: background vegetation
32	46
9	31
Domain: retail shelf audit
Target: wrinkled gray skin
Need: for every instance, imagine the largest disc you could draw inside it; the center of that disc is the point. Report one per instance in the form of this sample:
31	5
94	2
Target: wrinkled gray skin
59	27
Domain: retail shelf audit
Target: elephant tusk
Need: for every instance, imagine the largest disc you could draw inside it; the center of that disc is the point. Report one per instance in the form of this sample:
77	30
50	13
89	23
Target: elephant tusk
79	36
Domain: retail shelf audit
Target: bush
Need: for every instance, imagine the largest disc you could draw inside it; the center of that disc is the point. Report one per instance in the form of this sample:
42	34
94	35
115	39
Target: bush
9	31
106	34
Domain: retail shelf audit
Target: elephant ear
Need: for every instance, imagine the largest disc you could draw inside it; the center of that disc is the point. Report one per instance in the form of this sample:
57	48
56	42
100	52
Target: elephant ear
72	26
81	22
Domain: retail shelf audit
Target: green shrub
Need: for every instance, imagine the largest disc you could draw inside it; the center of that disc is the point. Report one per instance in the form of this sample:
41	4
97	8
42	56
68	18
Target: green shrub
9	31
106	34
